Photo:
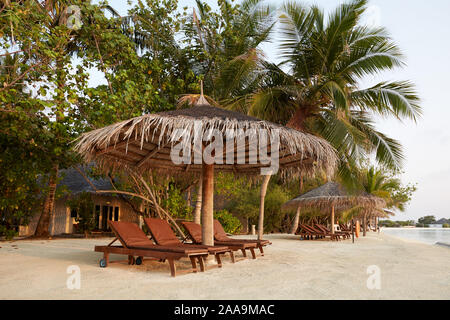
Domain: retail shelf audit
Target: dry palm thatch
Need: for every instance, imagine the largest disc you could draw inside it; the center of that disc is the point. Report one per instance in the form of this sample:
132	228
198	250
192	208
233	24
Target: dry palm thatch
332	194
146	142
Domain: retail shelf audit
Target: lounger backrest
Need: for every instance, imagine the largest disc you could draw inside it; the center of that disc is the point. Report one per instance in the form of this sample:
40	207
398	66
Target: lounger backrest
194	230
219	232
308	228
129	234
161	232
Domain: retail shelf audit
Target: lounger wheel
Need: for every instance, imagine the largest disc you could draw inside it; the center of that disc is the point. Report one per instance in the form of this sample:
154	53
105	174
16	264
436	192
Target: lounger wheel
138	261
102	263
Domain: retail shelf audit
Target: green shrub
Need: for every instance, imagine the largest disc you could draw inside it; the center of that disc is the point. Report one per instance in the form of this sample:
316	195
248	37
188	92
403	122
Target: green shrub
176	205
230	223
446	225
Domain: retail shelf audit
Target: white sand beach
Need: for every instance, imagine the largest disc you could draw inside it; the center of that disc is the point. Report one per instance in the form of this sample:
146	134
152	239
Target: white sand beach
291	269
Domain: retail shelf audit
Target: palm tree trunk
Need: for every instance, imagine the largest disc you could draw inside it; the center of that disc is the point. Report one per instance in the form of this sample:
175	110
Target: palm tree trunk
49	203
294	226
298	120
198	203
261	207
208	204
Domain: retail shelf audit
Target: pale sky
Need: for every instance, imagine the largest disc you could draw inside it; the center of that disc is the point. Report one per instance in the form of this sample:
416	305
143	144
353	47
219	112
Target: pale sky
421	29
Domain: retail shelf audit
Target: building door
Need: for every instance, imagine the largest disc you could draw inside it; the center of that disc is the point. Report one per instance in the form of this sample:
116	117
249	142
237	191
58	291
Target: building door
97	217
104	226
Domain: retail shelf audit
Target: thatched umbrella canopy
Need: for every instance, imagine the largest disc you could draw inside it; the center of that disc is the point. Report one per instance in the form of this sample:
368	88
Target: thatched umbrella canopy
331	196
146	142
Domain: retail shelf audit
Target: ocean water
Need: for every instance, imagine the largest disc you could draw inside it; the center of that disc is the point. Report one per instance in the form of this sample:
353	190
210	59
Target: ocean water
426	235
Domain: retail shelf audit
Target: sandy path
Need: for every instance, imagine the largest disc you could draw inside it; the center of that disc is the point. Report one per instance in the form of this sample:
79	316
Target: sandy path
291	269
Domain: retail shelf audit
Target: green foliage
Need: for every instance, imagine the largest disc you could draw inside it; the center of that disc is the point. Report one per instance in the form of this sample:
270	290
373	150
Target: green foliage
246	202
84	206
383	183
427	220
395	224
319	89
175	203
230	223
446	225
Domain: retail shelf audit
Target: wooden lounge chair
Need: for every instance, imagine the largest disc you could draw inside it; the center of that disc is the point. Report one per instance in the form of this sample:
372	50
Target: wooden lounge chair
136	244
221	236
345	228
343	234
321	233
308	232
163	234
194	231
327	233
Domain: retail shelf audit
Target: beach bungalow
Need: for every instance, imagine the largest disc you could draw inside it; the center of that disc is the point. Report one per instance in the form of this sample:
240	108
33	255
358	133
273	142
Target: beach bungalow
106	206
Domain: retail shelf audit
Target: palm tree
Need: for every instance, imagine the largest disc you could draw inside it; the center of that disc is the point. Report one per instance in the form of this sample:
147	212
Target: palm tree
317	86
228	45
374	181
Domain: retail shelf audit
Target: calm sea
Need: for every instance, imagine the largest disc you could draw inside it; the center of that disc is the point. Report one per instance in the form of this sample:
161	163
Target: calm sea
426	235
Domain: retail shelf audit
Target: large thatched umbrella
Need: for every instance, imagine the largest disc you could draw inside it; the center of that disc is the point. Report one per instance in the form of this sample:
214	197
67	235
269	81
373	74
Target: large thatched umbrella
146	143
332	196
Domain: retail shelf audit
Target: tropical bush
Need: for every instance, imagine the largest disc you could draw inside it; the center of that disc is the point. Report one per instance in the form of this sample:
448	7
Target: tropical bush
230	223
175	203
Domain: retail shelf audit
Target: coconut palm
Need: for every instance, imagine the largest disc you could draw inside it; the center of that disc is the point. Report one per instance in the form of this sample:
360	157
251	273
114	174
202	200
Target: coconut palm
376	182
318	85
228	45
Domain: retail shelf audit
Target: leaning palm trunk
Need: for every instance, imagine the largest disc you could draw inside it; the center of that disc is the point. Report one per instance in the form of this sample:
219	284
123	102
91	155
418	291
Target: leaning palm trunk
47	210
261	207
294	226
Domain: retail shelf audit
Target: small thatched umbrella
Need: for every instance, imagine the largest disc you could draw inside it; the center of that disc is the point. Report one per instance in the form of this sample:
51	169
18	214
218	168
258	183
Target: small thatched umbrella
333	195
146	142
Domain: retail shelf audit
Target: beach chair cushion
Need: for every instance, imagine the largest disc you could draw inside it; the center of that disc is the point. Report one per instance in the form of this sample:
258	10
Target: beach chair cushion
194	230
131	234
161	232
219	232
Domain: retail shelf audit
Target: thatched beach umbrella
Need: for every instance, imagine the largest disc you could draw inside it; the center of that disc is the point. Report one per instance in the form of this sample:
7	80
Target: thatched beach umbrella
332	196
149	142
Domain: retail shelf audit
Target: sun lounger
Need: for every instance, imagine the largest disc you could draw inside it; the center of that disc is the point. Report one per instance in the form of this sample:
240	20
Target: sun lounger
343	234
136	244
327	233
163	234
221	236
321	233
194	231
308	232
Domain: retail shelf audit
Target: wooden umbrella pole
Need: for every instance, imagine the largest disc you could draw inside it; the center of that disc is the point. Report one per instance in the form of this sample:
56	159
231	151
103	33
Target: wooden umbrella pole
207	204
198	203
364	224
332	219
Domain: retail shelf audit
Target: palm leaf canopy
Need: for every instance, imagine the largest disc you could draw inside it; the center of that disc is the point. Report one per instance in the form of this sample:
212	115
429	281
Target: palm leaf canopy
333	194
145	142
